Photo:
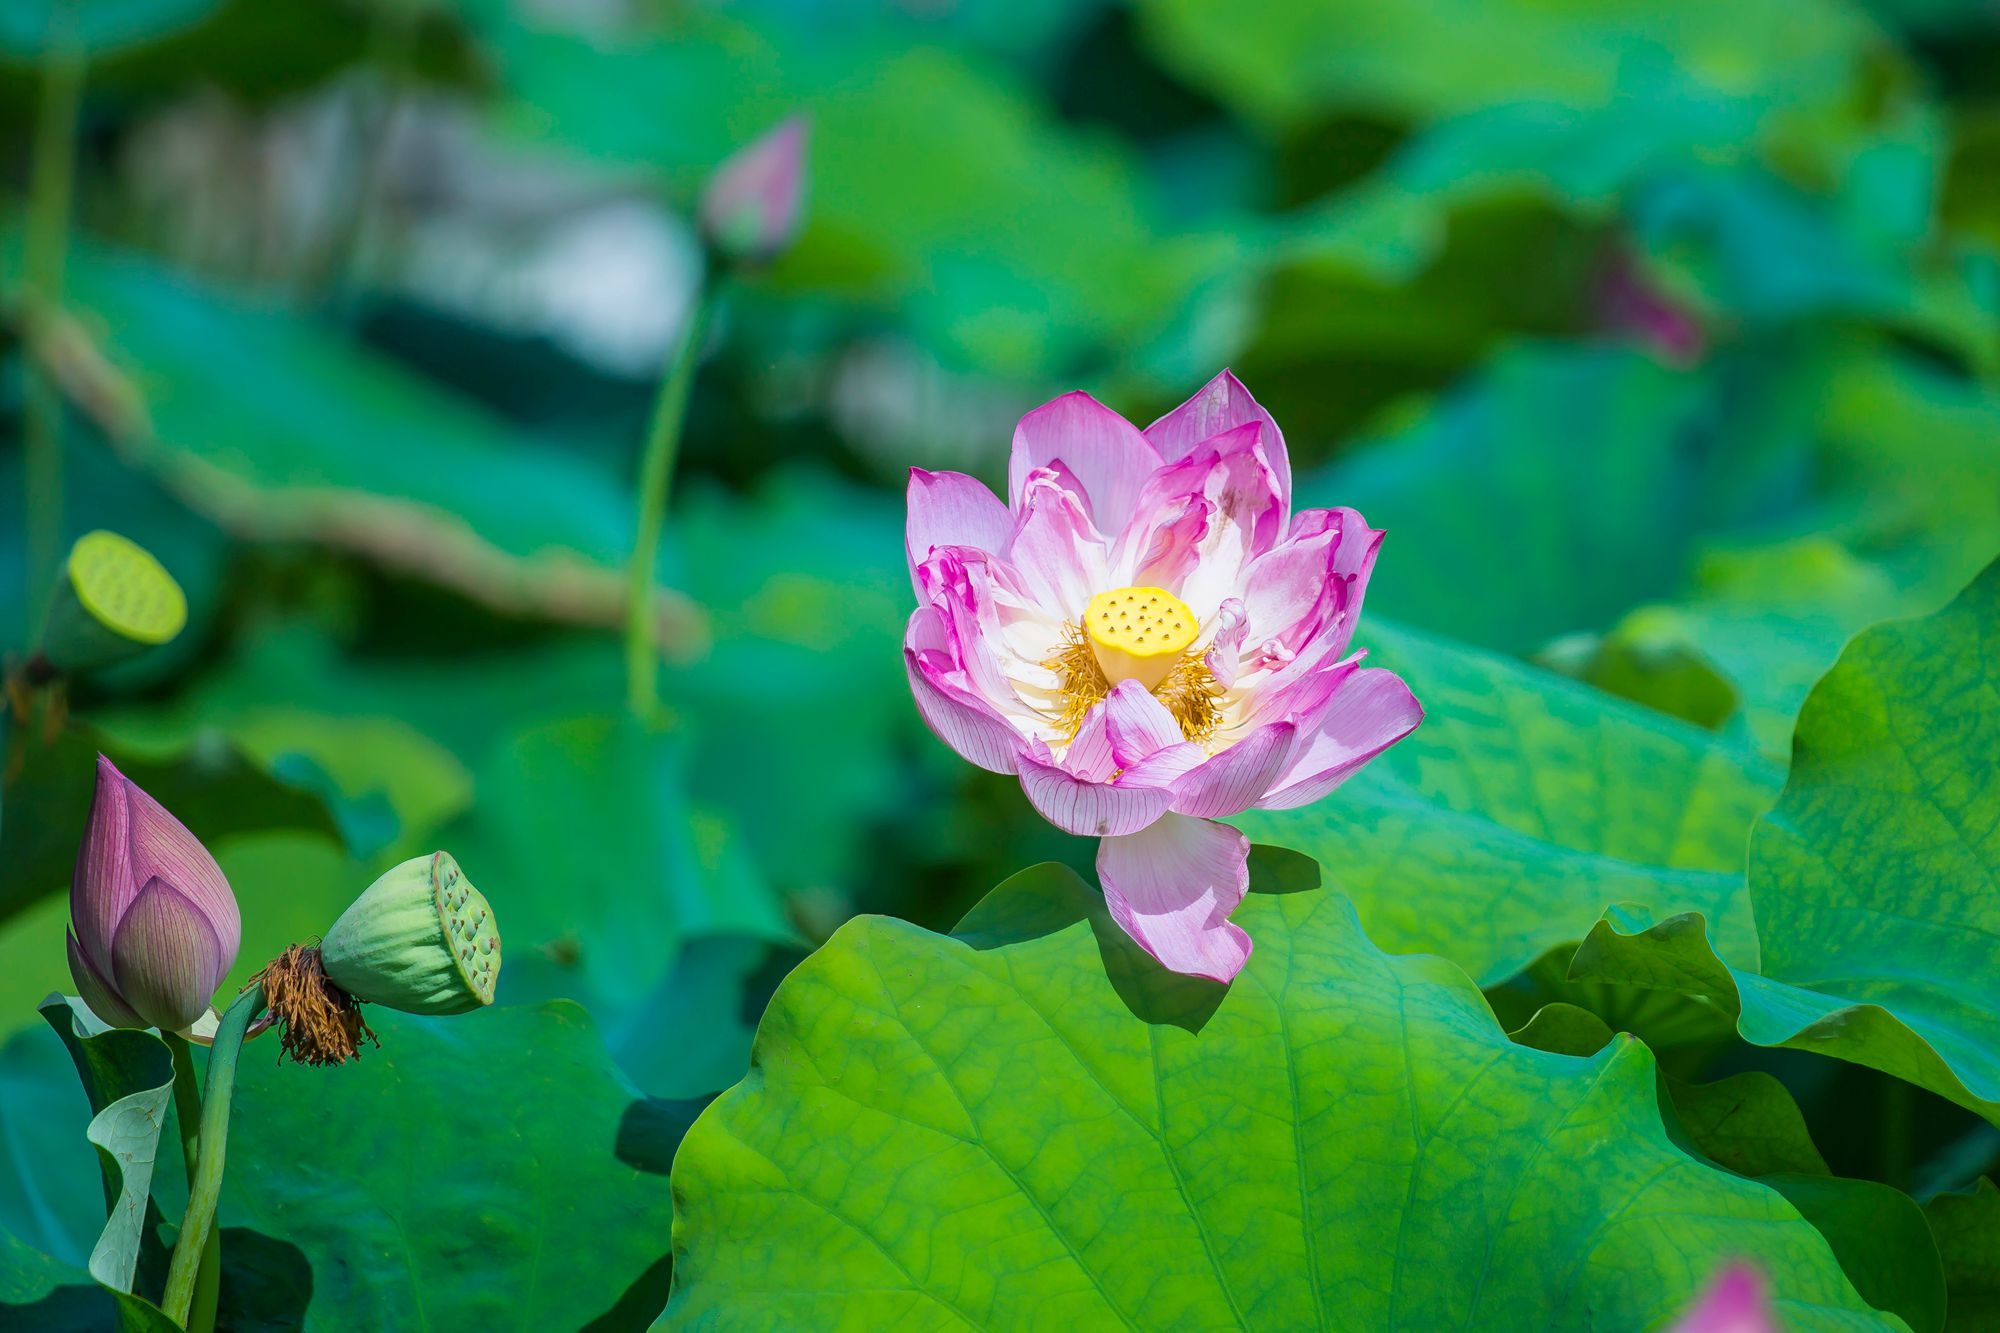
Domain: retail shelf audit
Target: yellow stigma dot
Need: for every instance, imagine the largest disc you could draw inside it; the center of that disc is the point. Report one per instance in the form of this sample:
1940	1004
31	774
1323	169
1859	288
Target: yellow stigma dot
1138	633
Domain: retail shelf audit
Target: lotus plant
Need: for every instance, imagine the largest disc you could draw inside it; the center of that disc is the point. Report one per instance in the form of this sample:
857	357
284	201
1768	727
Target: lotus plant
153	925
1149	638
754	205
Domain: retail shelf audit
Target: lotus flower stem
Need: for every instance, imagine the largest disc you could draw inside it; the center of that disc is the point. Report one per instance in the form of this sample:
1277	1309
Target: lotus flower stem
205	1187
656	475
187	1109
49	192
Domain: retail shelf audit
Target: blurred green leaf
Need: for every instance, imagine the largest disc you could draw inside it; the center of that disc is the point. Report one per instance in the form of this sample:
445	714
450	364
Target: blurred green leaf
799	713
1871	878
690	1036
1020	257
208	787
1522	807
1764	59
35	28
387	785
1160	1150
1967	1227
1548	496
332	444
587	845
1652	657
51	1197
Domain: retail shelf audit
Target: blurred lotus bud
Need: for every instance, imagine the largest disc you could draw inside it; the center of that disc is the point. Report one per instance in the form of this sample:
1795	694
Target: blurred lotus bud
113	601
754	205
153	925
1633	304
420	939
1734	1301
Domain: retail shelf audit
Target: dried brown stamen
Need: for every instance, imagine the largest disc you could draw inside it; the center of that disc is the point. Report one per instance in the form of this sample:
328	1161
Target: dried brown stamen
320	1024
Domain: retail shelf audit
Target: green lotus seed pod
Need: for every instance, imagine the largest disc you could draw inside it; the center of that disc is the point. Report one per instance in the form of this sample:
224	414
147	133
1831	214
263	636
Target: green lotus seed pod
113	601
420	939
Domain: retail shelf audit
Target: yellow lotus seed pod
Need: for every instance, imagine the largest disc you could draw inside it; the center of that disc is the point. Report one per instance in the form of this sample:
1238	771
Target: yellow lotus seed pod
1139	633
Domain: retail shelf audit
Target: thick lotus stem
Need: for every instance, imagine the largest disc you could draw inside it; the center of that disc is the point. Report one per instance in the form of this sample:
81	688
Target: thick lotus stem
187	1109
319	1023
206	1186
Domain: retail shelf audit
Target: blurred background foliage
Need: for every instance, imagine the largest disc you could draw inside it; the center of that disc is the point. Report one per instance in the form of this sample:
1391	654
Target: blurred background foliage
1662	339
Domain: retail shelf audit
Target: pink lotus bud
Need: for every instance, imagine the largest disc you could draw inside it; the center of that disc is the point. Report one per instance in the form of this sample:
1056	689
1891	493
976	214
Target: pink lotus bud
1630	303
754	205
1735	1301
153	925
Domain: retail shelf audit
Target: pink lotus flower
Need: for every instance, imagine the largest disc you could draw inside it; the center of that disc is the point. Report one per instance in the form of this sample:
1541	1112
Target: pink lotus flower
1151	641
153	925
1733	1302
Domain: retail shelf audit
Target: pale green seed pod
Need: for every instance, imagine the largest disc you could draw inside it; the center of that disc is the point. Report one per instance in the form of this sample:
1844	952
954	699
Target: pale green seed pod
420	939
113	601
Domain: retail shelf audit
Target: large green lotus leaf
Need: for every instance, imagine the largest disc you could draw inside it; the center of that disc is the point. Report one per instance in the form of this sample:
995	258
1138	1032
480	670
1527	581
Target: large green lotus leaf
1523	807
1019	258
1031	1125
210	788
1749	1123
128	1077
1967	1227
1872	879
35	28
330	443
488	1171
49	1296
1743	61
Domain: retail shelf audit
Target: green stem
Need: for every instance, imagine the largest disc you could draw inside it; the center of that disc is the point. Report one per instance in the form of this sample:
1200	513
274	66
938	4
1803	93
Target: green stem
42	257
187	1111
206	1186
656	475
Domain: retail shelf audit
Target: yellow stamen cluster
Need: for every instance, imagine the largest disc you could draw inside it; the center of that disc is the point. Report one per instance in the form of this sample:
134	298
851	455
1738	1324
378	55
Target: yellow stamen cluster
1142	634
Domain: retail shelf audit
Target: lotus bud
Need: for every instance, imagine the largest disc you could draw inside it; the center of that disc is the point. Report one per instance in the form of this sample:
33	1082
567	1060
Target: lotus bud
1734	1301
113	602
420	939
153	925
754	205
